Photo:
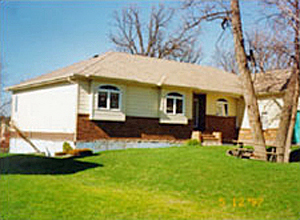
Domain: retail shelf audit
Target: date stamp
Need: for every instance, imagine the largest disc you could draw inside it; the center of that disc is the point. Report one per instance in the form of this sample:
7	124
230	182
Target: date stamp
241	202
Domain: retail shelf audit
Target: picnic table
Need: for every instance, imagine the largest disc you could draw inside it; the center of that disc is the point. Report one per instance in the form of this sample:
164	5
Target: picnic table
242	152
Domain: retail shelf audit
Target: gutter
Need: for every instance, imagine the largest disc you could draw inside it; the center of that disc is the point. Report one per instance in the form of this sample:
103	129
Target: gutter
68	78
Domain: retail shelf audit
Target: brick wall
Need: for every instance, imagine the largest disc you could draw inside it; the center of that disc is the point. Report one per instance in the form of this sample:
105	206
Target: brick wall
226	125
269	134
132	128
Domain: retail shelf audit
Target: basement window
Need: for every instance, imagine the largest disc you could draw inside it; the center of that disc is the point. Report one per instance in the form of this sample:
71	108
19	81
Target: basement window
109	97
174	103
222	107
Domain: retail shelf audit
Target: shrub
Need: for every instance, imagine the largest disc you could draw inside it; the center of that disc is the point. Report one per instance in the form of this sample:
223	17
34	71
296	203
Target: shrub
60	154
193	142
67	147
81	152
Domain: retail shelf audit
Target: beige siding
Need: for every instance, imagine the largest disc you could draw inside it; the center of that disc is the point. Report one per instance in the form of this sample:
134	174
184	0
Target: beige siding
48	109
84	102
147	101
142	101
138	101
211	104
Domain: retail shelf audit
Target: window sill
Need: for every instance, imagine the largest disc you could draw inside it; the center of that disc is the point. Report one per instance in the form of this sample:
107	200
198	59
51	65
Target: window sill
173	119
108	115
108	110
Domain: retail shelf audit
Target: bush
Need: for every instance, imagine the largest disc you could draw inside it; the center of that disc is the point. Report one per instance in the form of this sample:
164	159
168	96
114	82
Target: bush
67	147
193	142
81	152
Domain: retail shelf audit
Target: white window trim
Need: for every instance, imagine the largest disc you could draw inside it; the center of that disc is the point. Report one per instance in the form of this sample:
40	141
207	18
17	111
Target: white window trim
222	104
16	104
109	92
175	98
264	116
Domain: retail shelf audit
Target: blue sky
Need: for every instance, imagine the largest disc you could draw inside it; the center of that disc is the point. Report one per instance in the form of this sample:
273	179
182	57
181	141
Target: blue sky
41	36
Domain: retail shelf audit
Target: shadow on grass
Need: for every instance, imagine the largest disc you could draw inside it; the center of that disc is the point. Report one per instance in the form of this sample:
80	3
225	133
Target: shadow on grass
295	155
31	164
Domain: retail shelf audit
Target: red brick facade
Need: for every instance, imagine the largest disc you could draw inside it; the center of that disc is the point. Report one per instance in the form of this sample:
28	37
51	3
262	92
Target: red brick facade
132	128
226	125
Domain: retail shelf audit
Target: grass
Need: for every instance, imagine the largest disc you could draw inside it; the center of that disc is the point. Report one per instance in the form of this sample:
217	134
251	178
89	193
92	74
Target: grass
167	183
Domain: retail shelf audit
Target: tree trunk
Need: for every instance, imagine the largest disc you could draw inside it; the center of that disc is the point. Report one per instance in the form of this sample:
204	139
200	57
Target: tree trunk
292	123
287	118
248	89
290	99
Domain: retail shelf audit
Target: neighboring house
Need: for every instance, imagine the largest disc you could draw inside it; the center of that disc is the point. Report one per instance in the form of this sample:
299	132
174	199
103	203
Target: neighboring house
122	99
270	87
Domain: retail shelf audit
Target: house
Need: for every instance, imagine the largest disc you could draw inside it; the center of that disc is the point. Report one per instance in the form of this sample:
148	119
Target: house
270	87
119	100
118	97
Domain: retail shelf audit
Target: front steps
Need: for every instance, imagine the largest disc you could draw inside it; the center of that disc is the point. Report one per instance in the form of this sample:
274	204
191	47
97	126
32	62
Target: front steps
208	139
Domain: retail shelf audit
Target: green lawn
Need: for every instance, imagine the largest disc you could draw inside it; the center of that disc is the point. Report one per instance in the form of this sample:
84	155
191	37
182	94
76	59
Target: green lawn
167	183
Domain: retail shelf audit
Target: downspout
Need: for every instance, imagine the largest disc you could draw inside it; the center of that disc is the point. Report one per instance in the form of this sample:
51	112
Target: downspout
71	81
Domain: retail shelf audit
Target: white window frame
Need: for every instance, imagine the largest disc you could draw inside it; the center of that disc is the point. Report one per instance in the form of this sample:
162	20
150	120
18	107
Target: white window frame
175	98
221	103
109	92
264	117
16	104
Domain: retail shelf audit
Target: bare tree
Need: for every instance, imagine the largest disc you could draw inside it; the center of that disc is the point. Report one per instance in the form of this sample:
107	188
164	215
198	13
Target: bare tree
287	19
230	16
249	93
266	51
271	51
5	102
154	38
225	59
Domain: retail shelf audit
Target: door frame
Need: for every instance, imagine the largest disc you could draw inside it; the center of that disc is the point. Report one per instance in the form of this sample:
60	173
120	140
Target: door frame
199	113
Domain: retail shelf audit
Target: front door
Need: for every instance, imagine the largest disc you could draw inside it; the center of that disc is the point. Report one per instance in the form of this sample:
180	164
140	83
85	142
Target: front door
199	106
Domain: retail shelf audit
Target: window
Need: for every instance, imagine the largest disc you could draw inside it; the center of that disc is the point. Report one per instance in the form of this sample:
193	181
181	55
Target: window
16	103
264	120
222	107
109	97
174	103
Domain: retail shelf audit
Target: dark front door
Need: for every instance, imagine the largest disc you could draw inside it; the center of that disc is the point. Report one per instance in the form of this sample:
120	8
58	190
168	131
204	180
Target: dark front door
199	106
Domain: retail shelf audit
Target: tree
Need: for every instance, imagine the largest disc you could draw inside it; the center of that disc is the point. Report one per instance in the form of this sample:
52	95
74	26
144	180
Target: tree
154	38
287	19
249	93
269	52
231	16
285	23
224	59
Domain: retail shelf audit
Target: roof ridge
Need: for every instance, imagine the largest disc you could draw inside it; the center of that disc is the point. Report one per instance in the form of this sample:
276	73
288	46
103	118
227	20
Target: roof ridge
99	59
194	65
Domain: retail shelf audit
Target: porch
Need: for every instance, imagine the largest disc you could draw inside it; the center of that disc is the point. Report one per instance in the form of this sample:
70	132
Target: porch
213	123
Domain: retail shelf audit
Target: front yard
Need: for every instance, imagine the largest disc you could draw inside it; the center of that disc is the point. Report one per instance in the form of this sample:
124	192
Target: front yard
167	183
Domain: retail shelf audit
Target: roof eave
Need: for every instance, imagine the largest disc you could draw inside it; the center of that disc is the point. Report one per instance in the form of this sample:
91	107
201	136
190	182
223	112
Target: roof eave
39	84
